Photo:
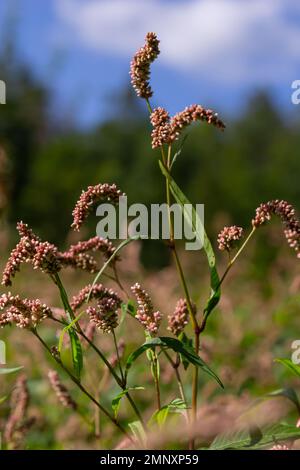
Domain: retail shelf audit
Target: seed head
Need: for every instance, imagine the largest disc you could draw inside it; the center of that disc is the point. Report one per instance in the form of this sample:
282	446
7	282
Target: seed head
140	66
161	133
95	292
286	212
30	249
280	447
93	244
166	130
25	313
77	256
193	113
179	318
46	258
92	196
83	261
19	404
25	231
61	391
147	317
228	237
105	314
20	254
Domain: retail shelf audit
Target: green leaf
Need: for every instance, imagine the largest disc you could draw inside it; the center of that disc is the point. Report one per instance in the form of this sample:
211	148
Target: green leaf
215	294
2	399
176	346
137	430
131	308
64	298
4	371
195	222
188	344
175	406
290	365
77	355
189	354
178	151
76	349
127	308
288	393
66	329
135	354
115	404
245	439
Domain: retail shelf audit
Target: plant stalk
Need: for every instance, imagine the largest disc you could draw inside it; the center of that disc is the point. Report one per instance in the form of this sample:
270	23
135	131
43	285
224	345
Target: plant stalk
120	381
82	388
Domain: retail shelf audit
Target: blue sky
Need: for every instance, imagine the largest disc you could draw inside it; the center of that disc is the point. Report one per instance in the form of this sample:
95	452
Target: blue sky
213	52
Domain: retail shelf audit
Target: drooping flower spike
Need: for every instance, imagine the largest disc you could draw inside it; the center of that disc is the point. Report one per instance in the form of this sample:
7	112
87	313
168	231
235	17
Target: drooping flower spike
287	214
166	130
24	313
92	196
95	292
61	391
16	423
31	249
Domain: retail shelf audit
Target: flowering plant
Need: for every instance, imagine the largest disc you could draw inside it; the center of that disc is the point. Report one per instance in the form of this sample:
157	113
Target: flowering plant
100	309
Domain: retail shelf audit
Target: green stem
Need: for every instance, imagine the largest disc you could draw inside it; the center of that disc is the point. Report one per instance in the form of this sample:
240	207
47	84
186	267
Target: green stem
188	300
195	387
103	358
156	379
233	260
175	366
81	387
118	355
167	164
64	297
229	266
118	282
119	381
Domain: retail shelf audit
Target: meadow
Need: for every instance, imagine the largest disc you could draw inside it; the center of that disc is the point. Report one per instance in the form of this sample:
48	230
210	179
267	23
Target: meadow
147	345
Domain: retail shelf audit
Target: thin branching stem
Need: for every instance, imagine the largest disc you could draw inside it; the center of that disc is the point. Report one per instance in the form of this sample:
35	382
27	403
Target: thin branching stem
175	366
233	260
156	379
81	387
167	163
120	381
118	355
119	283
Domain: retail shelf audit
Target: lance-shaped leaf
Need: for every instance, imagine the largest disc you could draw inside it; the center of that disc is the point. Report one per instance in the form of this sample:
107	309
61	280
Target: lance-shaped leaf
247	440
116	402
4	370
175	406
176	346
194	221
290	365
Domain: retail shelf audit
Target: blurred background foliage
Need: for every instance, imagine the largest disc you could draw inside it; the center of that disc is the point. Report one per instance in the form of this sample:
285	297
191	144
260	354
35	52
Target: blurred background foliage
46	162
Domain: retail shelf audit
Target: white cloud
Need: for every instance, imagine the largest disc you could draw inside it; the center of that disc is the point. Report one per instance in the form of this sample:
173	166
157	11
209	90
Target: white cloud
236	40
